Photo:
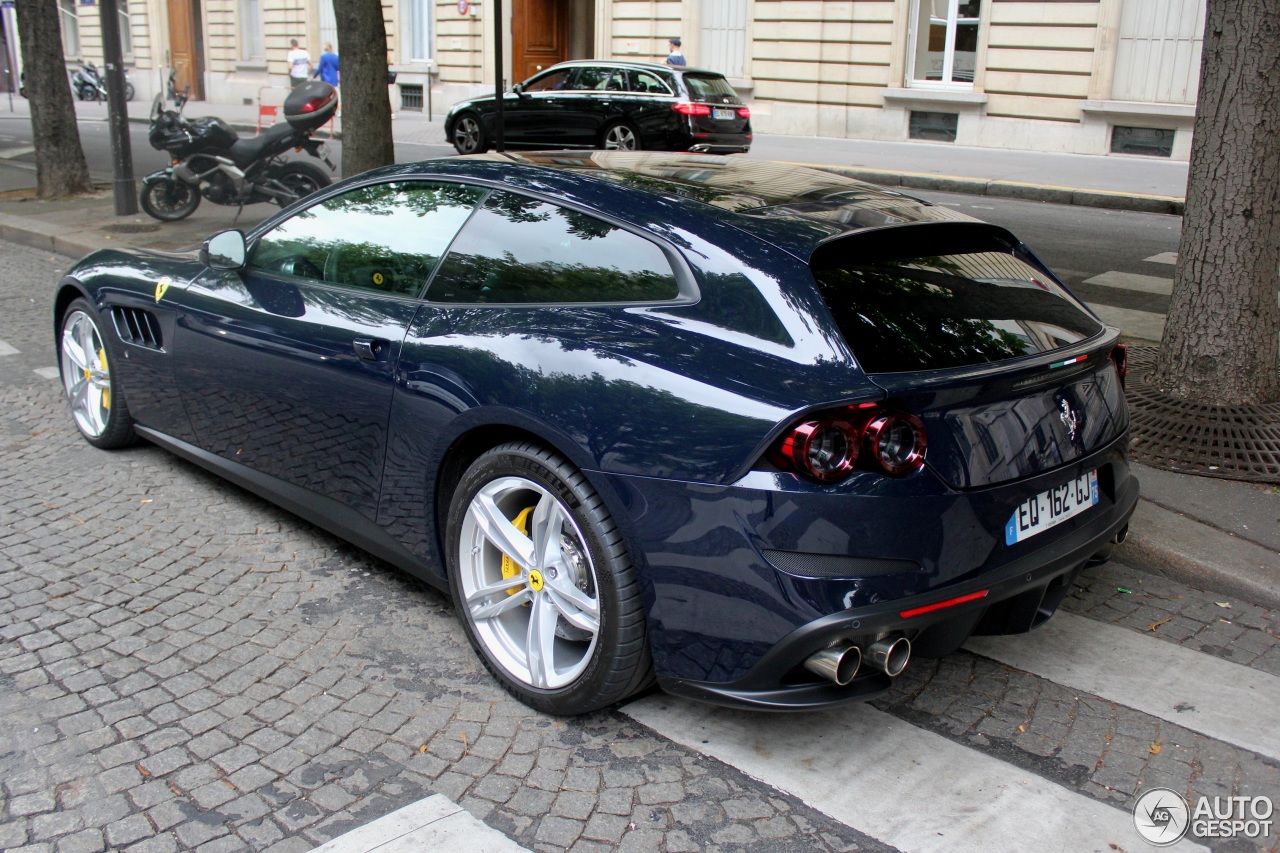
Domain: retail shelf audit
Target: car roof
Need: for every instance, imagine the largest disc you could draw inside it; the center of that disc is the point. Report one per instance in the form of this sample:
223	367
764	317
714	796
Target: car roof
796	208
636	63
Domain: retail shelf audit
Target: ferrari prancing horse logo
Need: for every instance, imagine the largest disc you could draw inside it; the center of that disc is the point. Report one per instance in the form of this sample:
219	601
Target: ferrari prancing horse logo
161	286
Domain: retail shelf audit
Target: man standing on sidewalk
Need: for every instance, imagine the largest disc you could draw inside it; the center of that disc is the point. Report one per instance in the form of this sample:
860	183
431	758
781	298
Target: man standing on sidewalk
299	64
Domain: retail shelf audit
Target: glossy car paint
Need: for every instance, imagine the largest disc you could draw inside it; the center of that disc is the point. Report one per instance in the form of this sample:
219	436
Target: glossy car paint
575	118
667	408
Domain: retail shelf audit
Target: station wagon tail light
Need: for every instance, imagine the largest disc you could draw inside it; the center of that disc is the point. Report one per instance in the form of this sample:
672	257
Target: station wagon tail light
691	109
1120	355
830	447
744	112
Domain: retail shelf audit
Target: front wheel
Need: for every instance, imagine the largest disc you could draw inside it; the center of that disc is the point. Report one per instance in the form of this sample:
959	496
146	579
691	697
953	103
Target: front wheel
541	578
621	137
93	394
128	91
301	179
169	200
469	136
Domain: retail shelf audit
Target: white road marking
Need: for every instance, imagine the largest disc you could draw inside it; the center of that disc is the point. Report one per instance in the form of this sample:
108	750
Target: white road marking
10	153
900	784
5	349
47	372
1140	324
1133	281
1214	697
1163	258
436	823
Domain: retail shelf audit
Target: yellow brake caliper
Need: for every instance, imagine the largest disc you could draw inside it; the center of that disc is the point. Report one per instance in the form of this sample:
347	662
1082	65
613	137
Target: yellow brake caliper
106	392
509	567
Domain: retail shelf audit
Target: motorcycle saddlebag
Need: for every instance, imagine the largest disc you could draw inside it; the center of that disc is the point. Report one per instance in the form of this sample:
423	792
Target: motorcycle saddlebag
310	105
212	132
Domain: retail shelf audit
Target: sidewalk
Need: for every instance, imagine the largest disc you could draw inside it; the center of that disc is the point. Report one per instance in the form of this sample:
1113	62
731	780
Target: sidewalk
1216	534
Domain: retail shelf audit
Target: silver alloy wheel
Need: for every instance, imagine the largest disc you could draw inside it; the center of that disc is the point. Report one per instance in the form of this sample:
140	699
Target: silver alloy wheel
85	376
620	138
542	623
466	135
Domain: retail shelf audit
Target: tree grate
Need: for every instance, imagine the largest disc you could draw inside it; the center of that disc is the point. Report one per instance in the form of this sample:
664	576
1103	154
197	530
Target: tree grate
1230	442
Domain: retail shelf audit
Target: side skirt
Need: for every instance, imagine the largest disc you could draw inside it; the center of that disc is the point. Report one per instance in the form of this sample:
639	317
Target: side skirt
332	515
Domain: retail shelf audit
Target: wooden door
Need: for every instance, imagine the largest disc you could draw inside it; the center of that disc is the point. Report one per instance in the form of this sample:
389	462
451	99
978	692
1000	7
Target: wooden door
539	36
186	50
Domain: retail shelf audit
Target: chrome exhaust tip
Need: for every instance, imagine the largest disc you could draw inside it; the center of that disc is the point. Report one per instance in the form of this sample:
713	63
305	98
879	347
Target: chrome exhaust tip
838	663
1122	534
890	655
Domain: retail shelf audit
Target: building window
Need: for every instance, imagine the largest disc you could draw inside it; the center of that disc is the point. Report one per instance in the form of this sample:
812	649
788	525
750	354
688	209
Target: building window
944	42
251	30
126	33
70	27
420	29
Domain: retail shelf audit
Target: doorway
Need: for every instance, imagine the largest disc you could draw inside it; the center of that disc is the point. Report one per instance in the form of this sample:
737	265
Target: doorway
186	46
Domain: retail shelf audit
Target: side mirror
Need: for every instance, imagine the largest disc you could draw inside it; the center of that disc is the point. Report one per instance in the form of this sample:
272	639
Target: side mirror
518	89
225	250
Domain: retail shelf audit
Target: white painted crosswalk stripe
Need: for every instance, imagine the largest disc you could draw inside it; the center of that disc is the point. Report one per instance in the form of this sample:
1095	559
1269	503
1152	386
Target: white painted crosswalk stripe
5	349
1133	281
1163	258
900	784
1214	697
1138	324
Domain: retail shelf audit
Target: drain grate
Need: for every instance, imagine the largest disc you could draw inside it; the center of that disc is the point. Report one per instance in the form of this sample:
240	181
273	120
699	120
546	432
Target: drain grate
1231	442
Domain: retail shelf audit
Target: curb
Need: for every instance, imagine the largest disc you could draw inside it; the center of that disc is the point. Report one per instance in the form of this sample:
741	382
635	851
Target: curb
1182	549
1136	202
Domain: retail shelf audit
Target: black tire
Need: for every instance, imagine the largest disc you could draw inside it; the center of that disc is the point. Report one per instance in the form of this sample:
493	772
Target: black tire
169	200
468	134
128	91
87	93
621	136
604	666
302	179
97	404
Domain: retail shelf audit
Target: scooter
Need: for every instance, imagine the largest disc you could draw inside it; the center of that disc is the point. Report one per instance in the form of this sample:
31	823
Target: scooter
211	161
88	84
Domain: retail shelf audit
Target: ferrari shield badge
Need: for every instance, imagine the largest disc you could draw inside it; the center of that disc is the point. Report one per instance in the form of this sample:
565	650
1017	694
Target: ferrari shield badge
161	286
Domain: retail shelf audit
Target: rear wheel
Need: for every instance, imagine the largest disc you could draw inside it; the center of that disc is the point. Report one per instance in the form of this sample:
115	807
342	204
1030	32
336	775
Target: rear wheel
621	136
543	584
302	179
468	135
169	200
128	91
93	394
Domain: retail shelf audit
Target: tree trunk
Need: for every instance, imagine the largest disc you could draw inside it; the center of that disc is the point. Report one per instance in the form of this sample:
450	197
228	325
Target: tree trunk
61	169
366	109
1222	335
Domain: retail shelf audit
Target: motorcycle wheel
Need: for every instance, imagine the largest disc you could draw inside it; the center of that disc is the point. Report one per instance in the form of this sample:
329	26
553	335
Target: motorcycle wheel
169	200
302	178
86	93
128	91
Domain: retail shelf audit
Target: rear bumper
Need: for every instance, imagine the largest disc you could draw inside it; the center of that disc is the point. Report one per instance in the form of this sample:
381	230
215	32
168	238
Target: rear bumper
1019	596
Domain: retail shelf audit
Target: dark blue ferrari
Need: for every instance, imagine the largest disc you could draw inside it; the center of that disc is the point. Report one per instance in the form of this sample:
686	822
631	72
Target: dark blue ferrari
755	432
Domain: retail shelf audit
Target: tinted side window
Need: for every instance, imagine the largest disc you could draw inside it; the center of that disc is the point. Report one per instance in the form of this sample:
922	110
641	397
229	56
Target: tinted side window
548	82
385	237
643	81
519	249
590	77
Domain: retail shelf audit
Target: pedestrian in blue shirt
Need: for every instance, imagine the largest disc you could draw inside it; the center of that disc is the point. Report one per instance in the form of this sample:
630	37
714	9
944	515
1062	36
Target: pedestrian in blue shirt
327	70
676	58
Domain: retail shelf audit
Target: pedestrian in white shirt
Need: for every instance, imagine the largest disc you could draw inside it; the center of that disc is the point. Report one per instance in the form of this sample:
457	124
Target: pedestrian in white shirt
299	64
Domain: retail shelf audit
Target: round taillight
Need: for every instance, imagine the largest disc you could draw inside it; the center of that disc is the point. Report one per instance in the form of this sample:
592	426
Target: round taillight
896	441
825	450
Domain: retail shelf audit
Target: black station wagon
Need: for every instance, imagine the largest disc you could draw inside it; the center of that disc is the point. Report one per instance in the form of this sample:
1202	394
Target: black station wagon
624	106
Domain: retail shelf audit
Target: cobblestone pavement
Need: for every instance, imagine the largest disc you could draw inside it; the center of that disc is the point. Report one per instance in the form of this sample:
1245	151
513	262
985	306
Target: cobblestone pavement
186	667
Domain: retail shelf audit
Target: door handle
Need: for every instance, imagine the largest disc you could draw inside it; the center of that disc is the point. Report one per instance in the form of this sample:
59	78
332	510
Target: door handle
371	349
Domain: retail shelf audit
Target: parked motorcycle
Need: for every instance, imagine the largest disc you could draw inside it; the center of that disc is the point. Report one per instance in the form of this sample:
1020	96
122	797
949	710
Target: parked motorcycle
210	160
89	85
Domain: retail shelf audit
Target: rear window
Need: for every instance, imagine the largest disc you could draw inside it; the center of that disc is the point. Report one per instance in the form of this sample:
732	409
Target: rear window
954	310
707	87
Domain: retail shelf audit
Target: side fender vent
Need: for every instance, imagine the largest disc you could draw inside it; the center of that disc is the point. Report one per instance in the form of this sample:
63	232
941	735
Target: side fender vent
138	327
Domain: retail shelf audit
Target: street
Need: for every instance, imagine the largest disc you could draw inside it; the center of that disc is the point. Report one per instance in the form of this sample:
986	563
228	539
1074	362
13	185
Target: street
187	667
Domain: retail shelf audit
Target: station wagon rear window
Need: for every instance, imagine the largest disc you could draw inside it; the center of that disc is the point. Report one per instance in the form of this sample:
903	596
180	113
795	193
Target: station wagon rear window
710	87
932	312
